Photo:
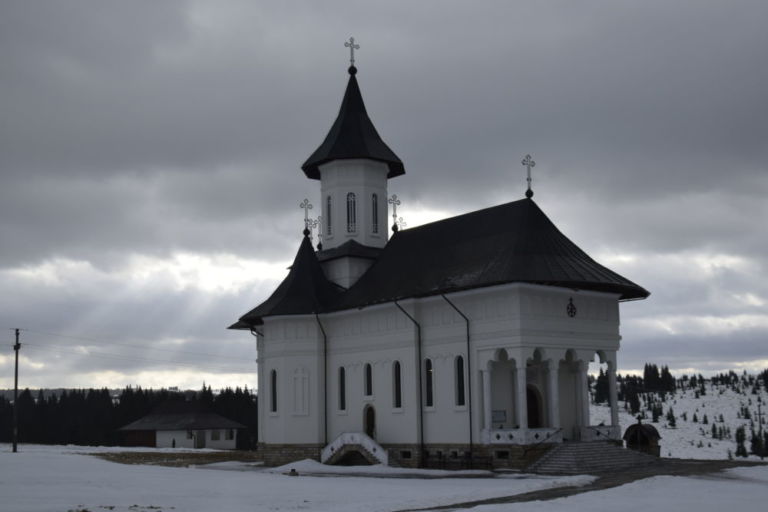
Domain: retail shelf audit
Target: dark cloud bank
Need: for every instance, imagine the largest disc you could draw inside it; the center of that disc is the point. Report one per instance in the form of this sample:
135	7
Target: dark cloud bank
146	129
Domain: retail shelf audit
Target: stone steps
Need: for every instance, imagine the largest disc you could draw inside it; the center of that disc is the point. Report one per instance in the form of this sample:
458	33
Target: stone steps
592	457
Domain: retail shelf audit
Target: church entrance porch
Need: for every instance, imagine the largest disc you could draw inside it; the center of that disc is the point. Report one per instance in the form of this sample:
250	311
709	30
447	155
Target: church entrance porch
535	400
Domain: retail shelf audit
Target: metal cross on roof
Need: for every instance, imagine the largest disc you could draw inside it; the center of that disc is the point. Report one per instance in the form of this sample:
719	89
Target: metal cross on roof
319	224
401	223
528	163
306	206
394	201
311	225
352	47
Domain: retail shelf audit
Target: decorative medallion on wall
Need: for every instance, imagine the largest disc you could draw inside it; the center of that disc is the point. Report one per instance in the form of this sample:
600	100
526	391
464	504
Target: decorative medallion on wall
571	308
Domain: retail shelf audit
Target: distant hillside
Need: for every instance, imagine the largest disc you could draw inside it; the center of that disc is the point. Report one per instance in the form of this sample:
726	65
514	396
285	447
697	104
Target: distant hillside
726	404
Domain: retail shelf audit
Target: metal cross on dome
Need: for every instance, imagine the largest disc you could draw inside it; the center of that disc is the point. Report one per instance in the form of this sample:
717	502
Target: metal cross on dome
319	223
401	223
306	206
528	163
394	201
311	225
352	47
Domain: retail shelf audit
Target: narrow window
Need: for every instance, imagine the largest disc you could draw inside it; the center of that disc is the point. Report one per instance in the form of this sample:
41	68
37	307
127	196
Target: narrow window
342	389
460	399
375	212
368	380
230	435
397	398
328	230
429	383
273	391
351	213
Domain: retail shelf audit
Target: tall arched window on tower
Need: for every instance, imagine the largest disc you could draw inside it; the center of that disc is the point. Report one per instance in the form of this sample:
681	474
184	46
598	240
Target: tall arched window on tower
351	213
342	389
460	397
273	391
429	383
368	388
328	230
375	213
397	391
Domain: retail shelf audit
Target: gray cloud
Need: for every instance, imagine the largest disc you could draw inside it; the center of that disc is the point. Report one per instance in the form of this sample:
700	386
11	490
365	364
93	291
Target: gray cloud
152	129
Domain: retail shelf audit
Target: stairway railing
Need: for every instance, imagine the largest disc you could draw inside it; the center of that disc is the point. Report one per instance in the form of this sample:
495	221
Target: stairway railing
358	438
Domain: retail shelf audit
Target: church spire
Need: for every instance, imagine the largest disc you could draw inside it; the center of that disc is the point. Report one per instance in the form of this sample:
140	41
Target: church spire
352	136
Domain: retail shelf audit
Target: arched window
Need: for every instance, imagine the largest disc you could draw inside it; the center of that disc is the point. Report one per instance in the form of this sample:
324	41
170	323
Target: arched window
342	389
273	391
368	380
430	383
397	392
351	213
328	217
460	398
375	213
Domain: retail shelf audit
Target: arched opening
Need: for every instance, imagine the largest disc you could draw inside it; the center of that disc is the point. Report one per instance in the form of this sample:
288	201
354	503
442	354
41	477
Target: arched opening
342	389
397	392
351	213
533	399
429	383
368	380
273	391
369	421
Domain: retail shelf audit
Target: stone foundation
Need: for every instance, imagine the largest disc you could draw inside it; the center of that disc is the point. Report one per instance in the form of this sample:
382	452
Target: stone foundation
436	456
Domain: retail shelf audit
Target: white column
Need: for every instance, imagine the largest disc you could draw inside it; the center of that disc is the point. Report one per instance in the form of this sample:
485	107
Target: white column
612	394
553	388
583	393
521	402
486	399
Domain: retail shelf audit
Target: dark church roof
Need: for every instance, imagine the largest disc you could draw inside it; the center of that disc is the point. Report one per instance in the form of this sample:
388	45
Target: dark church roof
513	242
349	248
178	415
510	243
352	136
304	290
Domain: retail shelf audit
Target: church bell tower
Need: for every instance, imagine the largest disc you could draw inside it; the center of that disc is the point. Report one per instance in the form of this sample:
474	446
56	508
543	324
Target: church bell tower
353	165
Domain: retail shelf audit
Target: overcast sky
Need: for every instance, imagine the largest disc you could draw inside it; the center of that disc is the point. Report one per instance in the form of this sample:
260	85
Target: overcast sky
150	159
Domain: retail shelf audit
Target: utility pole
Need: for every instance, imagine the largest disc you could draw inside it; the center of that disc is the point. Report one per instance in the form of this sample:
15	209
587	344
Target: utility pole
16	348
760	428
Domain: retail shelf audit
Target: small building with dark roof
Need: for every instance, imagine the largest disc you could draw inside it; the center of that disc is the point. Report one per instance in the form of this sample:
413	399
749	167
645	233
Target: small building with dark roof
465	339
179	424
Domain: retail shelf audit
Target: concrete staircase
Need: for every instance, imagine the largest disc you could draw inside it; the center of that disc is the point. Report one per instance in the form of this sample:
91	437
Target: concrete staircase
592	457
354	448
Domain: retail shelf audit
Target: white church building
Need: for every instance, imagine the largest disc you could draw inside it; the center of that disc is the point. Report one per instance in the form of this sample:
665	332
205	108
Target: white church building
466	339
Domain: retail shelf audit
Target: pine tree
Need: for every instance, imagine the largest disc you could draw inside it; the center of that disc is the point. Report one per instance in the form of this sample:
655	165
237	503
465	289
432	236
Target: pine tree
671	418
741	450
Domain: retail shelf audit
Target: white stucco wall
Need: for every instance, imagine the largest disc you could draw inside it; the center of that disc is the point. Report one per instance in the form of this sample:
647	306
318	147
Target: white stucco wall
165	438
519	320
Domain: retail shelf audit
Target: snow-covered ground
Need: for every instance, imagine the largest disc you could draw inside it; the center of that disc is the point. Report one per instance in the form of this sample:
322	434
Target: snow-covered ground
735	489
63	478
693	440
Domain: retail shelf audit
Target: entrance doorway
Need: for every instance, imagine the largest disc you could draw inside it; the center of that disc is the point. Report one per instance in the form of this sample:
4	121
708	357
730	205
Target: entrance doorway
369	421
534	407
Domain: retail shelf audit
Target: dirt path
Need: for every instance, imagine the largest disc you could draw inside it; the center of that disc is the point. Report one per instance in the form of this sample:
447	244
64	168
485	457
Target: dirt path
675	467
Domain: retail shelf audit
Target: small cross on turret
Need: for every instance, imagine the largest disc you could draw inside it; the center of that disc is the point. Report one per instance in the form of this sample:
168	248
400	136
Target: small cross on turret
394	201
306	206
528	163
352	47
